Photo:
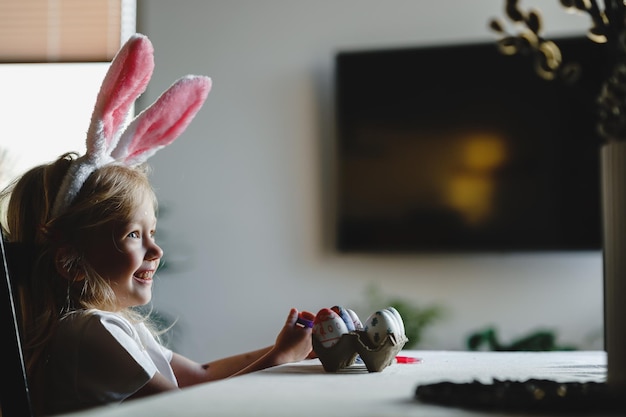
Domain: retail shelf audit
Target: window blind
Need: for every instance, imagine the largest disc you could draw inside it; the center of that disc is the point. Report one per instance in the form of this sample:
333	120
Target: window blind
63	30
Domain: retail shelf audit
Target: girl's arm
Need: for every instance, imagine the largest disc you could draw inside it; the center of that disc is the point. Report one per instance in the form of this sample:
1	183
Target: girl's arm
190	373
157	384
292	344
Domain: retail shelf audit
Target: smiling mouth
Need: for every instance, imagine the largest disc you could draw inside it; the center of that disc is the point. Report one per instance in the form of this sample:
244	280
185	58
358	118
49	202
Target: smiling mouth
144	277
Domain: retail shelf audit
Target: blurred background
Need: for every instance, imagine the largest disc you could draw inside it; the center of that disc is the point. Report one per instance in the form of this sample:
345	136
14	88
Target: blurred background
248	193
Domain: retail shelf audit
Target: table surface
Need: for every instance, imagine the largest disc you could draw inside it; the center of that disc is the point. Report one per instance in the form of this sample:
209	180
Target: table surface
305	389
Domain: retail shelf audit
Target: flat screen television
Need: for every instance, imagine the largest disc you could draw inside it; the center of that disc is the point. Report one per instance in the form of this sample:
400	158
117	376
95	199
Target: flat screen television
459	148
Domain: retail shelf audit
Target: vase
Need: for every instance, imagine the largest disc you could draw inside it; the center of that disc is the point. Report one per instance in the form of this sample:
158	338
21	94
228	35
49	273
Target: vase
613	179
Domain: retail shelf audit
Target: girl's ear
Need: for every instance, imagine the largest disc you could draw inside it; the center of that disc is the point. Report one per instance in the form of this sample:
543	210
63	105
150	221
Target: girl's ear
66	267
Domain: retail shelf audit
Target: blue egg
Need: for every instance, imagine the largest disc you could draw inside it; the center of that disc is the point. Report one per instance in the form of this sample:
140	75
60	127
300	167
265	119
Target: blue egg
345	316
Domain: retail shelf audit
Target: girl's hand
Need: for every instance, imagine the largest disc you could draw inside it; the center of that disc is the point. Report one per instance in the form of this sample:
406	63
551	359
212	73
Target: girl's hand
293	343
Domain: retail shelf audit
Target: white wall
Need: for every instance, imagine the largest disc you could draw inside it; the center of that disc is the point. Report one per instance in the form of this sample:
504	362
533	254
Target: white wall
248	188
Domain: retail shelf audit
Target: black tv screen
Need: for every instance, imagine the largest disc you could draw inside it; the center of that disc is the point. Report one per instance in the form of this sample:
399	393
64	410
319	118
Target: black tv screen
460	148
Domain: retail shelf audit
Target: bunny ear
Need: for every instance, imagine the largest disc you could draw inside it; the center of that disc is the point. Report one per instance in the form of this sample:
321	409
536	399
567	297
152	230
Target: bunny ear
156	127
162	122
127	77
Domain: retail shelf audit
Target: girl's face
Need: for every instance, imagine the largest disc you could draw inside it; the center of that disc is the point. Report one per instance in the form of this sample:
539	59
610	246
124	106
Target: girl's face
126	254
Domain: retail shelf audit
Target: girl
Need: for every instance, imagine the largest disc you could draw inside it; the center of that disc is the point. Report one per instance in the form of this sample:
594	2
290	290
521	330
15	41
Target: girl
90	222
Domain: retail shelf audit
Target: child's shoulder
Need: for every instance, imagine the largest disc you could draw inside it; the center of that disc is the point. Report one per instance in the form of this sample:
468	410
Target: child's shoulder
90	321
92	314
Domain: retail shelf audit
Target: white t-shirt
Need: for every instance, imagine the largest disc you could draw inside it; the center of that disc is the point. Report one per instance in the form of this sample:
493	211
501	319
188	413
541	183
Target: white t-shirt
98	358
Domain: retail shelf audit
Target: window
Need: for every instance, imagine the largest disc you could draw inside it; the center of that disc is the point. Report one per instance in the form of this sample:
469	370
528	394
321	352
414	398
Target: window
63	30
46	110
46	107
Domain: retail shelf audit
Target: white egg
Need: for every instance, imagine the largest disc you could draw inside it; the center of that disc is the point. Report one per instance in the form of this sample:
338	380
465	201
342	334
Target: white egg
355	319
398	318
328	327
379	325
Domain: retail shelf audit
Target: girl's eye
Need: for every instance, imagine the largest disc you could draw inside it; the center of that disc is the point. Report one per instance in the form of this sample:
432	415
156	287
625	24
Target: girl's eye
134	235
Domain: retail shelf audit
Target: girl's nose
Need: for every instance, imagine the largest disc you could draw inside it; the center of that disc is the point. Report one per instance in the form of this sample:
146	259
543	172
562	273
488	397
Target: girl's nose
154	252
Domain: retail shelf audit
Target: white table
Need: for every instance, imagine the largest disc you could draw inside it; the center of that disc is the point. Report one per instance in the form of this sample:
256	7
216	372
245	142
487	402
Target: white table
305	389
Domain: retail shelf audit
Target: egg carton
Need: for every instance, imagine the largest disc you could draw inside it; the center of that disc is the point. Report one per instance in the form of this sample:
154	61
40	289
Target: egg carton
357	343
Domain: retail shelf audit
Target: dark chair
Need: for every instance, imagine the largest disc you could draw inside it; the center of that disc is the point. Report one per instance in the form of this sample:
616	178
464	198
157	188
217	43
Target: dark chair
14	393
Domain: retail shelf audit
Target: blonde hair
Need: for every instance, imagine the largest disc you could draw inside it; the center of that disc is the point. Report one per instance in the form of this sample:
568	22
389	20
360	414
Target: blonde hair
110	194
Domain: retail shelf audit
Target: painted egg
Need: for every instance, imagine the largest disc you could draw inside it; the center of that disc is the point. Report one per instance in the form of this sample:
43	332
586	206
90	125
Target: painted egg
345	316
398	318
379	325
328	327
355	319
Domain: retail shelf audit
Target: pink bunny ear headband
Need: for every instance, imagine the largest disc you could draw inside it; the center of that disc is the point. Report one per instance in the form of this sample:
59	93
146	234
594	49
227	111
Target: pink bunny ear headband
154	128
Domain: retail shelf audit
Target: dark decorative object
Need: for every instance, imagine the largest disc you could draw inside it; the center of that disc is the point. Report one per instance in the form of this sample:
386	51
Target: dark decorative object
533	395
608	26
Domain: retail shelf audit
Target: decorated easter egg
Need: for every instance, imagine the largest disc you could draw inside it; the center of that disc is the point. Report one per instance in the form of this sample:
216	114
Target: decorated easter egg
343	313
379	325
398	318
355	319
328	327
